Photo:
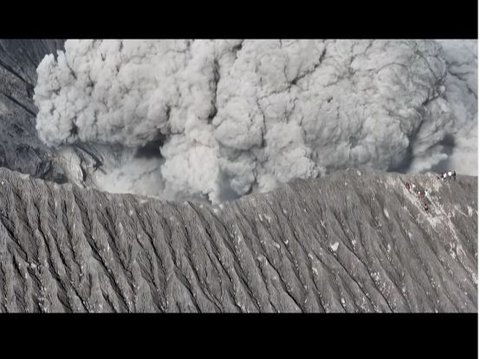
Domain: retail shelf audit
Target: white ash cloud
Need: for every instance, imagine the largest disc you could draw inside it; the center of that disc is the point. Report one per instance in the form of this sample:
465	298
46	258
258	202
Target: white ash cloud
461	83
236	117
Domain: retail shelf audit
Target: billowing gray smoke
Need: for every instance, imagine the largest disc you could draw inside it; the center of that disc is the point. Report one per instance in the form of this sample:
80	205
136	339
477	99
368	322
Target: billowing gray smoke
218	119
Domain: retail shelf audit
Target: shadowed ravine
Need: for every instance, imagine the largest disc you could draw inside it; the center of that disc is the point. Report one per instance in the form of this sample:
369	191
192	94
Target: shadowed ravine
354	241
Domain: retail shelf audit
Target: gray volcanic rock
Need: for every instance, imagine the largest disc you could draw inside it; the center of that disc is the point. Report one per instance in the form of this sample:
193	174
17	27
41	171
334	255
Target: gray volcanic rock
20	147
354	241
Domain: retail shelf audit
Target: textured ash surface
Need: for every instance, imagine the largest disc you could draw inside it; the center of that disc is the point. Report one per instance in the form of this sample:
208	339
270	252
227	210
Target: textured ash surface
20	147
352	241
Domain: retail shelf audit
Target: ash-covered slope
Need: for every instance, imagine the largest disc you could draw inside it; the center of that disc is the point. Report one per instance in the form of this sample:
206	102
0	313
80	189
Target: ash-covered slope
352	241
20	147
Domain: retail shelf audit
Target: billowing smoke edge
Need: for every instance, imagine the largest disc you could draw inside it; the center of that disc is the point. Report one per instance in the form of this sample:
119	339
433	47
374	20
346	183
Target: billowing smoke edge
217	119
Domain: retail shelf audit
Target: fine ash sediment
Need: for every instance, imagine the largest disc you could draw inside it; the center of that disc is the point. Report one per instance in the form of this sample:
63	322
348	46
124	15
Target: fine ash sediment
354	241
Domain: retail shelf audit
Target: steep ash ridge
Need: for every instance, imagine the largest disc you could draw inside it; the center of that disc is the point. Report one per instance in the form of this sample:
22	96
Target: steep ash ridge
354	241
20	148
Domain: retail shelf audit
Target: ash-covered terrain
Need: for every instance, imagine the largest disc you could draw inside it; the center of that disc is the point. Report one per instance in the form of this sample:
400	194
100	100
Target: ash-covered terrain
257	136
354	241
20	148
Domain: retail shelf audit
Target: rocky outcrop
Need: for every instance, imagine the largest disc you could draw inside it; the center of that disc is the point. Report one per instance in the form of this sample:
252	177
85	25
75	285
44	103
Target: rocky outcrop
354	241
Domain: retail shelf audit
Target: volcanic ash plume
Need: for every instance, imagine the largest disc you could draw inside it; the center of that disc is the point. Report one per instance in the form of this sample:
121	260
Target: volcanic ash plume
218	119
